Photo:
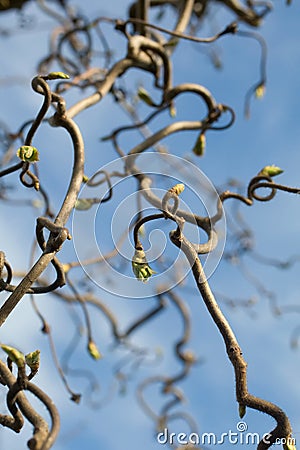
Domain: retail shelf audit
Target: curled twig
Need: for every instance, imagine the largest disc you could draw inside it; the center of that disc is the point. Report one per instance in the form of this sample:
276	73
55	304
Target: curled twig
244	398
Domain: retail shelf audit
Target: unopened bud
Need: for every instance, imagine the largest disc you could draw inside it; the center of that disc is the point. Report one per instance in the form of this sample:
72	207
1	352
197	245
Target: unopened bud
15	355
144	96
200	145
57	76
242	410
93	350
270	171
289	444
260	91
83	204
177	189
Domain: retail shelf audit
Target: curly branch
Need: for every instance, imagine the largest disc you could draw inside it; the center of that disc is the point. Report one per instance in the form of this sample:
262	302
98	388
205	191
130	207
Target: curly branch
283	428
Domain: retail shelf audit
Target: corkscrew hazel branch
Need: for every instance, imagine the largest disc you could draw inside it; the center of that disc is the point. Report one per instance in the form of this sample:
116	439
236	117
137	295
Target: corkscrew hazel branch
19	406
283	427
60	119
229	29
264	179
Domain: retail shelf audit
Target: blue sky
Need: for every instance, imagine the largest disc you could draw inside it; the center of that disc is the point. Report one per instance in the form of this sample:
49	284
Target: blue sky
270	136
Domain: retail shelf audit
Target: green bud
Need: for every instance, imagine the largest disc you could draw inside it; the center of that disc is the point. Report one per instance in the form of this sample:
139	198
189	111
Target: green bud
83	204
200	145
270	171
144	96
33	360
93	350
27	153
172	111
260	91
15	355
85	179
140	267
177	189
289	445
242	410
57	76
